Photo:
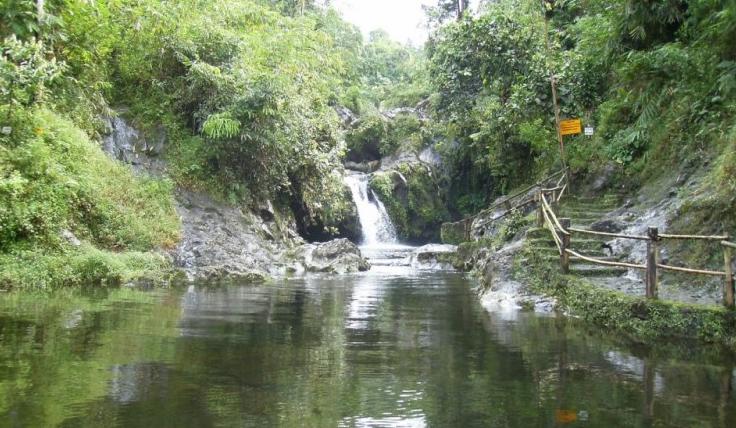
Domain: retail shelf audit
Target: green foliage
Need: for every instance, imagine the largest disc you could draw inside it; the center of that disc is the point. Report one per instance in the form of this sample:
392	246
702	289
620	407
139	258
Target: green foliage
391	75
42	270
490	76
511	225
375	135
18	17
257	87
25	72
53	178
221	126
656	77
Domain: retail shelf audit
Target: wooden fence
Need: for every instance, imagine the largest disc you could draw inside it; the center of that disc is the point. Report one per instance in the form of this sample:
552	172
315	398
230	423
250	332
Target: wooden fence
517	200
562	232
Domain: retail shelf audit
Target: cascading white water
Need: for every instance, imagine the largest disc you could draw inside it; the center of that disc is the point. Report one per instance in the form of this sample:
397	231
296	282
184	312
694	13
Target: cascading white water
374	220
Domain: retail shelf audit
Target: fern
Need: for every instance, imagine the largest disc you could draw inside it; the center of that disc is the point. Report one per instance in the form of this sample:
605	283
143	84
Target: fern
221	126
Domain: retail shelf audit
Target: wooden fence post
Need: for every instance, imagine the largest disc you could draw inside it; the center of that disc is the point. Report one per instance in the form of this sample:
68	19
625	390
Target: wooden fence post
540	208
565	256
652	260
728	285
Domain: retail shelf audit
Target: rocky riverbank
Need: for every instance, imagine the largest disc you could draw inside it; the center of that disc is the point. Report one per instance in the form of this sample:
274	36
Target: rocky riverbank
223	241
517	266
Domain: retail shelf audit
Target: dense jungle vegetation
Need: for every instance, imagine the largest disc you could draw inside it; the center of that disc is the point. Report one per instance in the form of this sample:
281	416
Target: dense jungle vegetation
247	92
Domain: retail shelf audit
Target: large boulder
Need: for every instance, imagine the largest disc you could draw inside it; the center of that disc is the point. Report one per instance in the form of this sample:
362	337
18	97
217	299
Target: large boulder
337	256
228	242
338	219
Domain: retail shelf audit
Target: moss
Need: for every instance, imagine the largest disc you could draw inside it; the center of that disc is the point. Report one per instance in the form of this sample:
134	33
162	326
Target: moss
453	233
638	317
412	200
383	185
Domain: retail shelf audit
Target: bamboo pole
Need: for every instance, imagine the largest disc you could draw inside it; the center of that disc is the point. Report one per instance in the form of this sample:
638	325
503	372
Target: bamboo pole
703	237
551	227
562	192
548	208
652	260
728	283
564	255
540	209
688	270
613	235
604	262
728	244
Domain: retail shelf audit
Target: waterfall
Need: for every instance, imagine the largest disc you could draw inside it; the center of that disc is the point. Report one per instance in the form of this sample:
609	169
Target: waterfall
374	220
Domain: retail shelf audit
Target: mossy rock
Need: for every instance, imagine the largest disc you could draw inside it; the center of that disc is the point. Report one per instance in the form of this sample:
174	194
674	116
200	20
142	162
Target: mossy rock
413	201
453	233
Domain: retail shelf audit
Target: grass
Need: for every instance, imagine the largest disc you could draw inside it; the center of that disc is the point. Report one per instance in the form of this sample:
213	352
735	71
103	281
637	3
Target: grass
54	180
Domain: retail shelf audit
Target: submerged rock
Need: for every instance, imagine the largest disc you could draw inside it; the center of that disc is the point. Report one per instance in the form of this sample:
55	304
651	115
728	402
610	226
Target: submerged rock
337	256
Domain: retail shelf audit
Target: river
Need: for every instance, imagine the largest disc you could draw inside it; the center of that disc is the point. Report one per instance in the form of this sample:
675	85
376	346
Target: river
391	348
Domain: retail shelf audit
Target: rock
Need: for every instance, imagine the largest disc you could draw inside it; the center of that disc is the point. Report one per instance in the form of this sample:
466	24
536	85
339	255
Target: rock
230	273
227	242
70	238
608	226
364	167
431	157
604	177
423	106
434	256
338	256
126	144
413	200
392	113
453	233
317	227
346	116
266	211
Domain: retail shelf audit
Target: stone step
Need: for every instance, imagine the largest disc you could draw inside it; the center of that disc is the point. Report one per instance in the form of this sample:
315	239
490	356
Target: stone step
584	245
595	200
582	219
597	270
577	209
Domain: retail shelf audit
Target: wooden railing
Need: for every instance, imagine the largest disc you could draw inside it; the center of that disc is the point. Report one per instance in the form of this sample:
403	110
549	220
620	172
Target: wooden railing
517	200
562	233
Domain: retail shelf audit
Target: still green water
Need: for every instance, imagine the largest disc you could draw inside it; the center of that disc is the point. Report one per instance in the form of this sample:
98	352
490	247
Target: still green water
367	350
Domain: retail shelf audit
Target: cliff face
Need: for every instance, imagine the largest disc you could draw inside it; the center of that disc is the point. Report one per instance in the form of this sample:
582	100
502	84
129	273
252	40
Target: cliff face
220	240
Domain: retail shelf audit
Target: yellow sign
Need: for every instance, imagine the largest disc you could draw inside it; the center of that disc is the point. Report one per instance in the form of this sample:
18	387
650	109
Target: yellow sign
571	127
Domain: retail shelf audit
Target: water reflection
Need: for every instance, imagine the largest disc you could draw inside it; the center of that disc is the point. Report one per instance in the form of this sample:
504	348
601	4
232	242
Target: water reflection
365	300
357	351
